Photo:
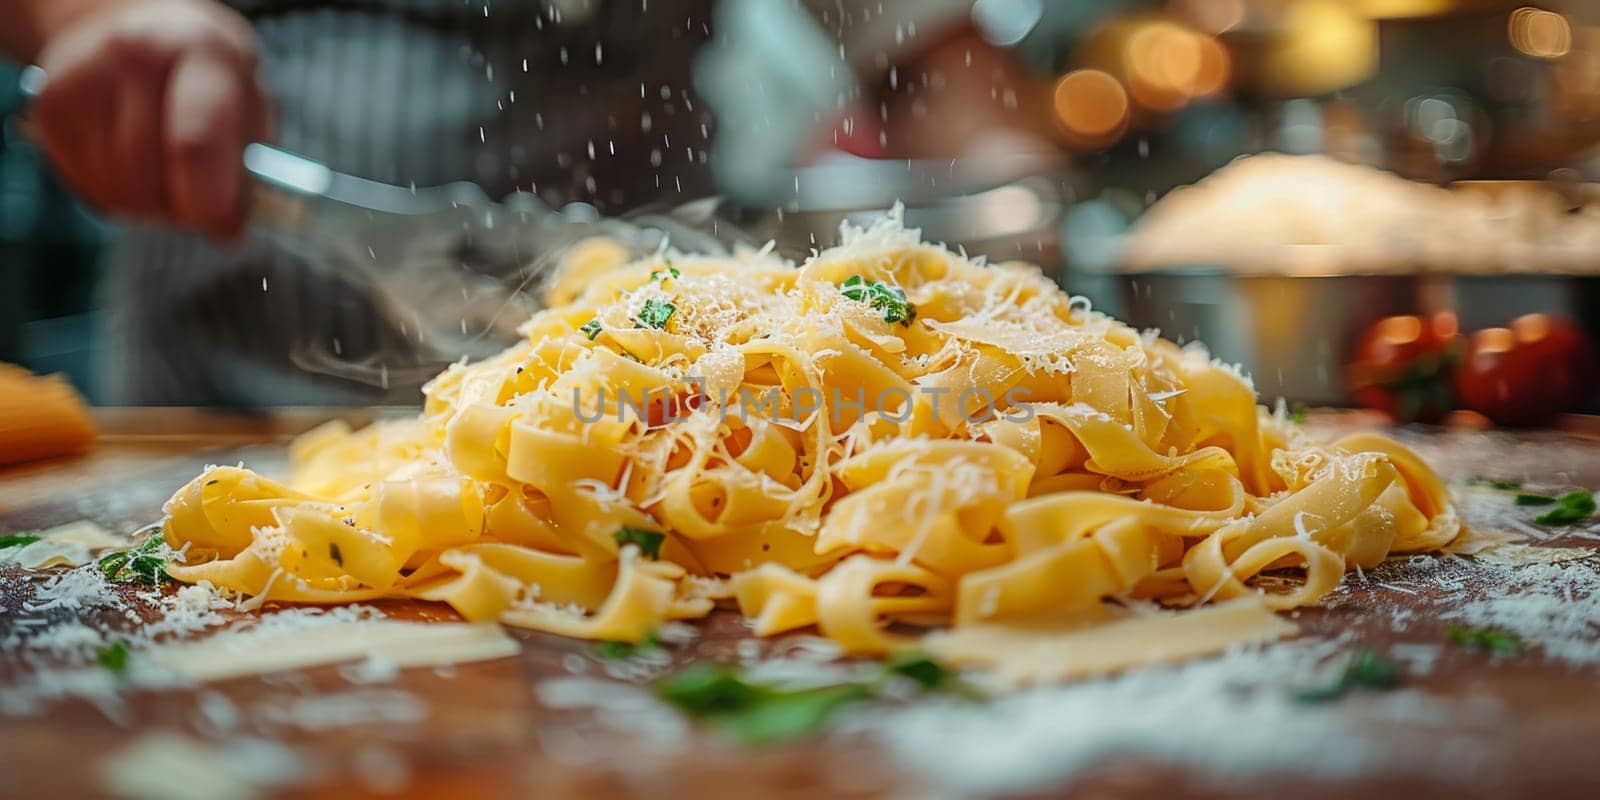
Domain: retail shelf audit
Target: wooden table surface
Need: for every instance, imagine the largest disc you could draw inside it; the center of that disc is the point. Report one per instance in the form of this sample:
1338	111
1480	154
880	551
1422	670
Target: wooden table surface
482	730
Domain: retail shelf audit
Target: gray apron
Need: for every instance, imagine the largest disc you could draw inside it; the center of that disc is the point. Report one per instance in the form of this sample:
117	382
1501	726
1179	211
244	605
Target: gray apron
571	100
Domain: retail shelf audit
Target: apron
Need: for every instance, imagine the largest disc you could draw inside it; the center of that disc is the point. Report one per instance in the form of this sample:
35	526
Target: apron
567	99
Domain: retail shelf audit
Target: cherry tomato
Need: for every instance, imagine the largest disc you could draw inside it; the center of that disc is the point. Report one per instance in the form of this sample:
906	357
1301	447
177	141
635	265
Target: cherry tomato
1527	373
1402	366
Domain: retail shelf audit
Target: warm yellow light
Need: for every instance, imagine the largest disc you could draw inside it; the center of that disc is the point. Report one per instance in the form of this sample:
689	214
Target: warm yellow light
1494	340
1215	68
1531	328
1168	65
1540	33
1324	46
1090	106
1400	330
1391	9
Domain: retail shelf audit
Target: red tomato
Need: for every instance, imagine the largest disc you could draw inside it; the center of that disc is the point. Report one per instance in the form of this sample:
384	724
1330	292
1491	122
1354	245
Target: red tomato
1402	367
1527	373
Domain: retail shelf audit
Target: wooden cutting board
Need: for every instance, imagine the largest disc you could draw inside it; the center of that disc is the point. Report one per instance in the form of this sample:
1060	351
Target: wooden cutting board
480	730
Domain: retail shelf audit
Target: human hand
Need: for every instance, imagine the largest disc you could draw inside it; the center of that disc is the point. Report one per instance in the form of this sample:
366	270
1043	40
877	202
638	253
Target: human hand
147	108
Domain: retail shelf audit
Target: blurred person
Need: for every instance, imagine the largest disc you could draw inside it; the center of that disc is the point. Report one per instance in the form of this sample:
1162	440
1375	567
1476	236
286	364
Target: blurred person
792	82
148	105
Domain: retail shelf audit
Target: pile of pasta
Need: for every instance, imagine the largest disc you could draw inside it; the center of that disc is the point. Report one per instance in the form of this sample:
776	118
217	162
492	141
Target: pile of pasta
987	451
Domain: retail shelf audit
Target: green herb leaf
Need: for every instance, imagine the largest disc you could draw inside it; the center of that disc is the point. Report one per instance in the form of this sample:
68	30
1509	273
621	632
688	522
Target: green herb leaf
620	650
925	671
757	714
754	714
701	689
17	540
1298	416
139	563
669	272
1492	639
591	329
648	542
1526	499
113	657
1363	669
885	299
1571	508
785	716
655	314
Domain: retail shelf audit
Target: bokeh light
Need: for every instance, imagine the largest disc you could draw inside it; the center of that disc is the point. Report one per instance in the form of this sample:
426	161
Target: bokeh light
1324	46
1091	107
1540	33
1168	65
1530	328
1490	341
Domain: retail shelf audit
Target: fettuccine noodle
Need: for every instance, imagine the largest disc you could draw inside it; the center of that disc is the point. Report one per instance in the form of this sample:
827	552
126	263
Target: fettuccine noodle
823	451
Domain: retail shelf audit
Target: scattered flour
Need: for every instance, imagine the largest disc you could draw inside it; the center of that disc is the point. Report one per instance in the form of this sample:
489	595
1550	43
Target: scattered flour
73	615
1229	717
1555	607
166	765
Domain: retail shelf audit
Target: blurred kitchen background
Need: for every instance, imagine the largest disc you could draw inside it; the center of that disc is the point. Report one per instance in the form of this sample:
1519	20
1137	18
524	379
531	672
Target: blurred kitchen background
1434	176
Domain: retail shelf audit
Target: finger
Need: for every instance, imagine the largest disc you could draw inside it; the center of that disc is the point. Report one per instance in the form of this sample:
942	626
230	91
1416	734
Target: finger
204	144
137	137
68	121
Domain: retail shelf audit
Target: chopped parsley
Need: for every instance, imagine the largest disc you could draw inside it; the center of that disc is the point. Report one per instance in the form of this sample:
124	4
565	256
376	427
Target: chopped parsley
620	650
756	713
1298	416
648	542
655	314
591	329
140	563
1572	507
1363	669
17	540
889	300
669	272
113	657
1492	639
750	712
